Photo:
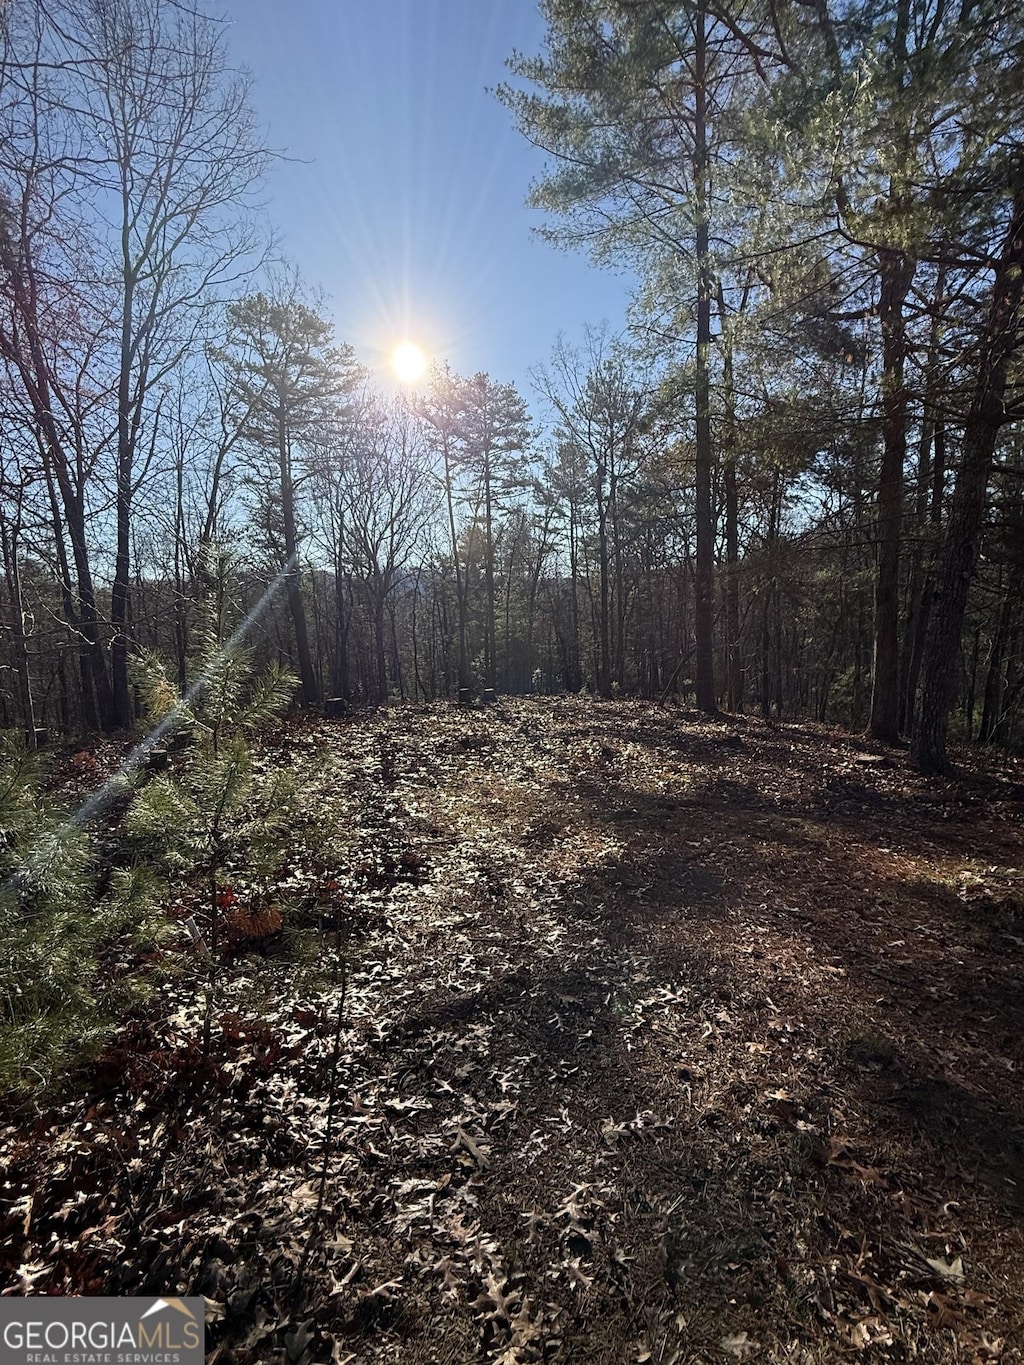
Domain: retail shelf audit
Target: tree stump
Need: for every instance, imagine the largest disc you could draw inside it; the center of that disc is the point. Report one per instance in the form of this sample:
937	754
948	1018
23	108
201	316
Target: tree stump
37	737
335	708
489	696
465	696
157	760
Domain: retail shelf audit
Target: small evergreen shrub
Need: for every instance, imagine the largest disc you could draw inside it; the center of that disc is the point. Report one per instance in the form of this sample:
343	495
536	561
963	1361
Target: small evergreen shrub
218	818
59	997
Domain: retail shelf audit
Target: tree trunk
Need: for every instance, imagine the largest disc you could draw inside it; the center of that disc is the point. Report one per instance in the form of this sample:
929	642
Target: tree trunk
87	691
293	581
604	679
19	637
992	707
342	682
928	588
987	414
734	660
380	640
490	642
460	581
929	453
704	609
884	722
123	499
618	579
85	620
180	603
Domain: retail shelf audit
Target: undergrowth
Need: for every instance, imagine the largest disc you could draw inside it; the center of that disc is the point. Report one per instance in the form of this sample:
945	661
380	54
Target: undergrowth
202	842
61	912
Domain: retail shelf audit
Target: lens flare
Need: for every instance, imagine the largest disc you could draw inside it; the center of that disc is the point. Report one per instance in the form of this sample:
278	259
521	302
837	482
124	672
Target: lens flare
408	362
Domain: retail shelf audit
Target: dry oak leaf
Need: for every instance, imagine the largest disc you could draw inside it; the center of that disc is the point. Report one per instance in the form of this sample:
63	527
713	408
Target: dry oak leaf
948	1270
479	1154
739	1344
942	1312
577	1278
494	1303
871	1331
519	1349
987	1350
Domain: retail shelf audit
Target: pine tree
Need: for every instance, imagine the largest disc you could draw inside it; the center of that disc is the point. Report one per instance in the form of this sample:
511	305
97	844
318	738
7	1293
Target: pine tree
633	109
218	820
57	1003
494	428
291	380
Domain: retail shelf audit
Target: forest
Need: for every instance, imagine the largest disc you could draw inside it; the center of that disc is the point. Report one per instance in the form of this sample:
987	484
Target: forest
523	872
796	489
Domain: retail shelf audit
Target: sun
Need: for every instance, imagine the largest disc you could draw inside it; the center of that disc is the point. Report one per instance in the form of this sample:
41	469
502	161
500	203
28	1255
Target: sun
408	362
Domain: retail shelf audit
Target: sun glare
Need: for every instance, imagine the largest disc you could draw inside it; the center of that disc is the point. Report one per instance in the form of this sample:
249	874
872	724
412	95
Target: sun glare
408	362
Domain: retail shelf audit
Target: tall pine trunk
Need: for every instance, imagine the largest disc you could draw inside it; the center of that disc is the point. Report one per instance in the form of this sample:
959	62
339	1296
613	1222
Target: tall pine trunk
461	585
293	580
11	536
704	607
604	678
733	656
999	344
884	722
490	641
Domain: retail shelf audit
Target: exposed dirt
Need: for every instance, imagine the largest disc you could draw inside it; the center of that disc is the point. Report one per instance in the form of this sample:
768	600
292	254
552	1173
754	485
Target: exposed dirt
662	1040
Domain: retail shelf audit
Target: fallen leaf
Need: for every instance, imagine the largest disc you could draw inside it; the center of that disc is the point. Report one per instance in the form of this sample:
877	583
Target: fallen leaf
494	1303
463	1139
577	1278
739	1345
871	1331
987	1350
949	1270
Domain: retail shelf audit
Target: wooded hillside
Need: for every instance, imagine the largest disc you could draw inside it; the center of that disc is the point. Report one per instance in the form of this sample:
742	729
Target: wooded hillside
520	868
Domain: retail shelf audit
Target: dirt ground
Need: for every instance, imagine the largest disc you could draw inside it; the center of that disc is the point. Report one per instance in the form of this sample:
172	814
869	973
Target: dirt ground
660	1039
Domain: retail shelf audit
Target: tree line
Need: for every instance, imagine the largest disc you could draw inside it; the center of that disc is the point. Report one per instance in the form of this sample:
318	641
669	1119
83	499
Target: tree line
795	487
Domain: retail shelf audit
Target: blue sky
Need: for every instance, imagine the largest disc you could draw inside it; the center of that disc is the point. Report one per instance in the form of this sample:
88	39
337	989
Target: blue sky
403	197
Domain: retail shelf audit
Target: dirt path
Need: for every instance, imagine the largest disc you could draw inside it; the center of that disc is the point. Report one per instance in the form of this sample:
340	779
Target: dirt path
663	1040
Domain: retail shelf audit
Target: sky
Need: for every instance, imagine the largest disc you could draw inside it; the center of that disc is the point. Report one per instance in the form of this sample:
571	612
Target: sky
403	193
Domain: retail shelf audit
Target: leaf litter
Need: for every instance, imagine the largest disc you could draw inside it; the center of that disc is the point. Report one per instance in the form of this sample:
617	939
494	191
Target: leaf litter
655	1046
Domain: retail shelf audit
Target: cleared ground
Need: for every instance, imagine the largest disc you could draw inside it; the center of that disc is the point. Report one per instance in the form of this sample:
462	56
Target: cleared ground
663	1040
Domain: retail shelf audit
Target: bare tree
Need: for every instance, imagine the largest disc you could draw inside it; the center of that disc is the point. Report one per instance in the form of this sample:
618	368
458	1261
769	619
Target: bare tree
53	314
182	157
130	159
382	487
